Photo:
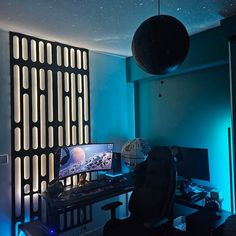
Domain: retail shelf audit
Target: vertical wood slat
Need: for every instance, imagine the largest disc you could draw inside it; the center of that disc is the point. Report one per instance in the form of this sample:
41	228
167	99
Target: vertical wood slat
63	108
26	185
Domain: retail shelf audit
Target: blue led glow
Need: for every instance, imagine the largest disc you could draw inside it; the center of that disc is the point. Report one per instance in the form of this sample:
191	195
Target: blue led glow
52	232
114	175
5	225
21	233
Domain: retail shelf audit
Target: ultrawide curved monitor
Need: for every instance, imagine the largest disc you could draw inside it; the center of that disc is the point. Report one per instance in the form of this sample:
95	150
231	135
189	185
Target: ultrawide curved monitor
84	158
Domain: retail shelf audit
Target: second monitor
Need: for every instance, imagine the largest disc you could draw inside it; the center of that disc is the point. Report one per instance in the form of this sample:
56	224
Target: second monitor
84	158
193	163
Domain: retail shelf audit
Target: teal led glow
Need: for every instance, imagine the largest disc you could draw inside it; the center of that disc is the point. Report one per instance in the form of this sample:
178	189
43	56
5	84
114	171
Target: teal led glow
219	158
27	218
21	233
16	229
102	172
5	225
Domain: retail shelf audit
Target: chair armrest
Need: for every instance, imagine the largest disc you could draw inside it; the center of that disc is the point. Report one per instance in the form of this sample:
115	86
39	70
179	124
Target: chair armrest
156	222
112	205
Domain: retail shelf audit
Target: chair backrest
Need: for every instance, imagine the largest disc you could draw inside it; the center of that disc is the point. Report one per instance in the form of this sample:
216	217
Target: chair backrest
154	189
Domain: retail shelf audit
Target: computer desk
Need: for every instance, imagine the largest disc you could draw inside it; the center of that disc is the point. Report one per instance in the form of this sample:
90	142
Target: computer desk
199	220
121	188
56	209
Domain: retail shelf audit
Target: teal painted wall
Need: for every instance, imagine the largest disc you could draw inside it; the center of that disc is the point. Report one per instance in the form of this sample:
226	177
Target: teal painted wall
194	109
111	99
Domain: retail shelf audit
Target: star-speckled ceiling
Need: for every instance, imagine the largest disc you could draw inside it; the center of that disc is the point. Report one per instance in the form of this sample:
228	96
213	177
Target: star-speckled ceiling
105	25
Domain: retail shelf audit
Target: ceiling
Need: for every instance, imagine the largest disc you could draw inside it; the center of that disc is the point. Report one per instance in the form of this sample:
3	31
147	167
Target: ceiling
105	25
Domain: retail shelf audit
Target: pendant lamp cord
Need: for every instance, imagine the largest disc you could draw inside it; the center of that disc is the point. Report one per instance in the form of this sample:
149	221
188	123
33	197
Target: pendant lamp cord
158	7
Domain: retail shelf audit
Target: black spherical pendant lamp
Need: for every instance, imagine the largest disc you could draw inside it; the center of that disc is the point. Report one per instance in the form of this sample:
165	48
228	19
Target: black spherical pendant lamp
160	44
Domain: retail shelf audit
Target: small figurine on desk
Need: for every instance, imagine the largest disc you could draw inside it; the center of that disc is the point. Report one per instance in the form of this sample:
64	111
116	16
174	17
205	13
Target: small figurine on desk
82	179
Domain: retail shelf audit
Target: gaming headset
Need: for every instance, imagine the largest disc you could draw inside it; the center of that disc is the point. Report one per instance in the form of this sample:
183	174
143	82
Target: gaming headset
212	205
66	157
55	187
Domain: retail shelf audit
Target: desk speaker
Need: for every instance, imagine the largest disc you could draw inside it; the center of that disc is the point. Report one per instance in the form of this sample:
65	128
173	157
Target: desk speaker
116	164
55	188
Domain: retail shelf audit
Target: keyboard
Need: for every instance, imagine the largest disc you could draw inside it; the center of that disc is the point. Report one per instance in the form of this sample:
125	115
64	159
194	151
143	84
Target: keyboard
193	193
90	186
201	188
90	190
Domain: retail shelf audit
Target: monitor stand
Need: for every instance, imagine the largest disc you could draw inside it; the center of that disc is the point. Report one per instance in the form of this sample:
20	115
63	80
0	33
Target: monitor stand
118	175
112	177
118	178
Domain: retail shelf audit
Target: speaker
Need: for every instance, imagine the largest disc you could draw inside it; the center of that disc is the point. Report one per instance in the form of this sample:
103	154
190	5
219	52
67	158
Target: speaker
55	187
116	164
213	206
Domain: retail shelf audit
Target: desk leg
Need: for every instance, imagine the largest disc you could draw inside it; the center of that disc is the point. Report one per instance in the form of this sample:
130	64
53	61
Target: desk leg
52	218
49	215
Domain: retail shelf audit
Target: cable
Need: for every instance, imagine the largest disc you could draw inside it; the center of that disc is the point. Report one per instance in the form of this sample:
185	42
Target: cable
158	7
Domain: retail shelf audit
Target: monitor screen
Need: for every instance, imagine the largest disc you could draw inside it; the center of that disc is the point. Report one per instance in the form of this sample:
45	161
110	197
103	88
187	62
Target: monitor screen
84	158
193	163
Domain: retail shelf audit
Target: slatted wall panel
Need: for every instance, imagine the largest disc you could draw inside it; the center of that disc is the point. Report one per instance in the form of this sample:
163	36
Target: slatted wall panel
50	108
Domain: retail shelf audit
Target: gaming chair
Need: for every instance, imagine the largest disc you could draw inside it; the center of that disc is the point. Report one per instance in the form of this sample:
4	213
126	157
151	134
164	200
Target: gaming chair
151	202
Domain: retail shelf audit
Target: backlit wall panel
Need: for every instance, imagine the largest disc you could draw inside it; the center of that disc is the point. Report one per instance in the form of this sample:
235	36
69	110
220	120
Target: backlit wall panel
50	108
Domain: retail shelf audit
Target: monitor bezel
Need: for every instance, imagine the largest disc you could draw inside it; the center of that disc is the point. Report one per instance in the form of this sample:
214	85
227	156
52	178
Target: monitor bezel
89	171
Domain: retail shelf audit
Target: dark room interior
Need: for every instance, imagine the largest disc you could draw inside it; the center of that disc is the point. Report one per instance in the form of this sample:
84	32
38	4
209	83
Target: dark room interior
118	117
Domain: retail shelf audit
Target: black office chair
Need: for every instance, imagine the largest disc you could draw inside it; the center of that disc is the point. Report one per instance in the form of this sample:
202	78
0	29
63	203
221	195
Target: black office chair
229	228
151	202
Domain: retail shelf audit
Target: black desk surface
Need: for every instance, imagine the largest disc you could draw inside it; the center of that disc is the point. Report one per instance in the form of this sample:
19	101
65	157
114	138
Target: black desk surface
36	227
124	187
206	219
195	203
